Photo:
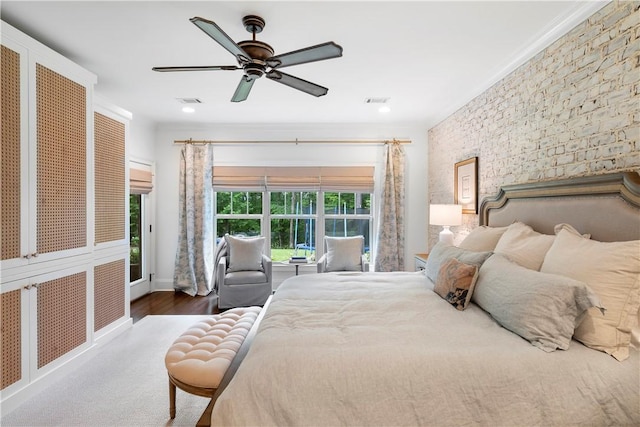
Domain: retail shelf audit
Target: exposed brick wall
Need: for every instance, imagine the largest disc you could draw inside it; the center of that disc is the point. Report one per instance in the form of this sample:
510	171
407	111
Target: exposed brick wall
572	110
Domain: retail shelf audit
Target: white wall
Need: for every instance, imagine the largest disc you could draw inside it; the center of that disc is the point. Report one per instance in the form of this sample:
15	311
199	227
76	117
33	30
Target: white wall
167	170
142	148
142	134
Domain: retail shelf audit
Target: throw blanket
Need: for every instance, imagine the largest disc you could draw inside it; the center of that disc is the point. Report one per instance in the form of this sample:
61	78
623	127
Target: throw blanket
221	251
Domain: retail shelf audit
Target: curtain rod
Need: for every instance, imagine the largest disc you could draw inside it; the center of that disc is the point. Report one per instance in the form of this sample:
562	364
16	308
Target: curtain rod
346	141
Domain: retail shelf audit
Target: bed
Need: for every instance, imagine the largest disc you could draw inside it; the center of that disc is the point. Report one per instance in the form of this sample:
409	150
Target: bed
356	348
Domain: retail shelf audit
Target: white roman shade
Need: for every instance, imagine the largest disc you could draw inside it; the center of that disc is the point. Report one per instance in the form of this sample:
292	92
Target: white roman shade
140	178
312	178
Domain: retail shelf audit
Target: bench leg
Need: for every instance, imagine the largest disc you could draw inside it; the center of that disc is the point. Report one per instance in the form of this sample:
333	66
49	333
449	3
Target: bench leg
172	399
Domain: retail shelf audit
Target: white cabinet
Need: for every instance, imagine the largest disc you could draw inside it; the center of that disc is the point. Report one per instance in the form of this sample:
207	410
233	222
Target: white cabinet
64	257
46	155
45	317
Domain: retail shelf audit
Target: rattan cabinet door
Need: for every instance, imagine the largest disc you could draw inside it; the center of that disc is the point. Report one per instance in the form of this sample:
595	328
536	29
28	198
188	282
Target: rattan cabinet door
14	247
110	178
47	139
14	335
61	162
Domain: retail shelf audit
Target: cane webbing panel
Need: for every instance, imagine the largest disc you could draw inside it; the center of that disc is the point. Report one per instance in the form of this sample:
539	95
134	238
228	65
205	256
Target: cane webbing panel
10	188
62	316
11	347
61	162
109	178
109	287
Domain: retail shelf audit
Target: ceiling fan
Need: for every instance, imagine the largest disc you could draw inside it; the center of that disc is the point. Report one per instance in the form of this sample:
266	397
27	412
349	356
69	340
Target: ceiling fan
256	58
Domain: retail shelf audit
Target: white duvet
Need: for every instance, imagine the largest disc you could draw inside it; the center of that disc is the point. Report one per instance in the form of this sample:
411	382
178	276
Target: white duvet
367	349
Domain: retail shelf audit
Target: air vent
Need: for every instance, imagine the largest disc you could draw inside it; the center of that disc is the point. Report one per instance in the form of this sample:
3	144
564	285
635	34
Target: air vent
189	100
376	100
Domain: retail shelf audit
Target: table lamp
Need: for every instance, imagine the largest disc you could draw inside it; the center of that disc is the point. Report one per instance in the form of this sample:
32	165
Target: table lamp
446	216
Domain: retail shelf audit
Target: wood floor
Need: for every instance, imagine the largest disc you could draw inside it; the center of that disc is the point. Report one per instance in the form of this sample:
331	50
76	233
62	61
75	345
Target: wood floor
169	302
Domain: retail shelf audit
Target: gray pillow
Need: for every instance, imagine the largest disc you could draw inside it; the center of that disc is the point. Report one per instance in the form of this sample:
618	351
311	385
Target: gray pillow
344	253
542	308
442	252
245	253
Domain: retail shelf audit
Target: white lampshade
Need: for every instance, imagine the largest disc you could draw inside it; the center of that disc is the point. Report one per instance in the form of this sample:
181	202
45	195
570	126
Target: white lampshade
445	214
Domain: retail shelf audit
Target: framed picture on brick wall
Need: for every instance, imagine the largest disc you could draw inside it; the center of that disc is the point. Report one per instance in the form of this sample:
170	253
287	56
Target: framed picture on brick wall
466	185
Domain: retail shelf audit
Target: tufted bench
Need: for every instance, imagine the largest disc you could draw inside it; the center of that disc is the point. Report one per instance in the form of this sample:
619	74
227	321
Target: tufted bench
199	358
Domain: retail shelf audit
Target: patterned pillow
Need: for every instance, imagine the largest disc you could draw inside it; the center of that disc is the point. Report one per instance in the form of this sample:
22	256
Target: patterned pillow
455	282
442	252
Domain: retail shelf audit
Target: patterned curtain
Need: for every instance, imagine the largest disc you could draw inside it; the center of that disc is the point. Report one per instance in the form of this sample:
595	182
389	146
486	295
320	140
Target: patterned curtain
390	253
193	272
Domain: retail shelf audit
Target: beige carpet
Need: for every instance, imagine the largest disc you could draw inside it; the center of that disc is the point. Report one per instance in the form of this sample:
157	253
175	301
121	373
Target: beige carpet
123	384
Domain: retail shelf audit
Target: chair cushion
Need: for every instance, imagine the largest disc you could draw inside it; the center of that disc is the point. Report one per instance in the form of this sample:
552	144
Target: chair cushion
344	253
245	253
245	278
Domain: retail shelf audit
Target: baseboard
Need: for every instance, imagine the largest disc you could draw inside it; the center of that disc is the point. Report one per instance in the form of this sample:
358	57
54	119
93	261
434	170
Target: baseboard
162	285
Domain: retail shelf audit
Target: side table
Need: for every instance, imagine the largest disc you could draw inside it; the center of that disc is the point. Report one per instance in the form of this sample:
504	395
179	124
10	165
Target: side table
420	261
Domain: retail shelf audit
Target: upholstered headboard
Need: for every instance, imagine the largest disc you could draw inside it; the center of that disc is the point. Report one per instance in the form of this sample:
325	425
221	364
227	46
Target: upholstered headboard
606	206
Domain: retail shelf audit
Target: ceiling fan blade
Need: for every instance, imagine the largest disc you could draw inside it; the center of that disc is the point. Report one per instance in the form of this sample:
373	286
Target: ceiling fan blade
297	83
243	89
308	54
197	68
221	37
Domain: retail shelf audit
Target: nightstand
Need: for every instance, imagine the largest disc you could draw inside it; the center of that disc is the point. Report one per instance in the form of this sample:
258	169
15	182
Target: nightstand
421	261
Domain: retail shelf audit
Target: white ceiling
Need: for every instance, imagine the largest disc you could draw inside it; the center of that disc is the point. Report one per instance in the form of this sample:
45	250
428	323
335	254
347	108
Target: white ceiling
428	57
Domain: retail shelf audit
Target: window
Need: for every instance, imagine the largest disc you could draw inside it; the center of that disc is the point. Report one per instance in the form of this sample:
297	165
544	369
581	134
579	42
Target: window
140	185
294	207
293	219
348	214
135	237
238	213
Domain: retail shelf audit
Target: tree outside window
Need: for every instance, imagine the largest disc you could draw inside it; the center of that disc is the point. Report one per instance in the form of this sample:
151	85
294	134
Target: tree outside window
291	218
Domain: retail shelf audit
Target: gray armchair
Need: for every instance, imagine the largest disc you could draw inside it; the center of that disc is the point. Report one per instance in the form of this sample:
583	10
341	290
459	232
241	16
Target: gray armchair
343	254
243	274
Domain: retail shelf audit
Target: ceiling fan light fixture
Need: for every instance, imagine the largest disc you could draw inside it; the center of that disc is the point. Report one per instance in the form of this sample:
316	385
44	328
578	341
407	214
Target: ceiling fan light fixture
188	110
384	109
256	58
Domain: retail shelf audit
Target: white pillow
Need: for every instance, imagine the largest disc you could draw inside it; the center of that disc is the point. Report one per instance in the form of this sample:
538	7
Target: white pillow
542	308
612	271
245	253
524	246
482	239
344	253
569	227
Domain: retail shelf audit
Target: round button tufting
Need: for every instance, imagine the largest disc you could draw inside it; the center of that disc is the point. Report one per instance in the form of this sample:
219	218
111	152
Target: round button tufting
201	355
